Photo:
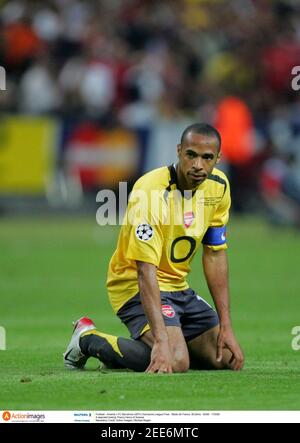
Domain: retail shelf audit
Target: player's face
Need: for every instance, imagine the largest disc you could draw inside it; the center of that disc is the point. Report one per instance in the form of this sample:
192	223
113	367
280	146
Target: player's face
198	156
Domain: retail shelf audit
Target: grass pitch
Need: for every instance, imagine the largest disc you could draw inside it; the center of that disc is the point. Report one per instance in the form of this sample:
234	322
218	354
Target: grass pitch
54	270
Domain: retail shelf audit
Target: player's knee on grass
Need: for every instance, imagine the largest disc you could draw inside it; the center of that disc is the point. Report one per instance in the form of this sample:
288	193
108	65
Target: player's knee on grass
179	350
181	360
203	352
181	365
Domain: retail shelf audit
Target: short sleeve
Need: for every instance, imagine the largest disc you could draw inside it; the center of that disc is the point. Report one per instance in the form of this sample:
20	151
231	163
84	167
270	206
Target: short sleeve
215	237
145	241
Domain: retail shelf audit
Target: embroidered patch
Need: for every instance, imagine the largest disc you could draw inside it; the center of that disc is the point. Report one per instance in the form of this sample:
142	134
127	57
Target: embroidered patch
189	218
144	232
168	311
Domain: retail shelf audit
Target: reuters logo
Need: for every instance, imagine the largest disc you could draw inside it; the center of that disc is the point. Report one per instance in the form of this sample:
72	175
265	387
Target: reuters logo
6	416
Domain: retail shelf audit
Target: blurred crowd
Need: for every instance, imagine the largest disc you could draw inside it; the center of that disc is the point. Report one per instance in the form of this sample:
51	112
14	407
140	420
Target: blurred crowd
130	62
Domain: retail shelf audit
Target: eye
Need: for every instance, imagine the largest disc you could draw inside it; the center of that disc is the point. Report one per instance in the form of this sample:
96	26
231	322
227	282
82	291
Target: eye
208	157
190	154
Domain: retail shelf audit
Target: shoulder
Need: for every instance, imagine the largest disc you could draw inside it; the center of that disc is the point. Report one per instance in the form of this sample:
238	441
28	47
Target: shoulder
158	179
218	178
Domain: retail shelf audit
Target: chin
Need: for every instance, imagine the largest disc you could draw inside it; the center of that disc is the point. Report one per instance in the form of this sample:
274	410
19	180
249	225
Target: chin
196	183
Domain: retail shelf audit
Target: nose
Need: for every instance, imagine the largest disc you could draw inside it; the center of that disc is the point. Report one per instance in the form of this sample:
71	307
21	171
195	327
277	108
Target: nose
198	164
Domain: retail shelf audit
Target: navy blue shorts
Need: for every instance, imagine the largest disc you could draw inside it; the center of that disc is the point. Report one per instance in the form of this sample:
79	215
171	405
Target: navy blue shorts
184	309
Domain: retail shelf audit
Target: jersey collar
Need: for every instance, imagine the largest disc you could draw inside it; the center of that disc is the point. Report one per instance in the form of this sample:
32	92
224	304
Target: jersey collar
174	180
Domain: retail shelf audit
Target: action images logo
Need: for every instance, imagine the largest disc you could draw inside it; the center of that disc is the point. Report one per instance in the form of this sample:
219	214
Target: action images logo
6	415
23	417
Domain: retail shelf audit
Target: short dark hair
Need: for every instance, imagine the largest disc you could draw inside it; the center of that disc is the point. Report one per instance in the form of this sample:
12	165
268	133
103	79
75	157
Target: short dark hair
203	129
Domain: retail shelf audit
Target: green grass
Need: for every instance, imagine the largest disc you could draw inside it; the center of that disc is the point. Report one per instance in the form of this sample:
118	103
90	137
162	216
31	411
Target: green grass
53	270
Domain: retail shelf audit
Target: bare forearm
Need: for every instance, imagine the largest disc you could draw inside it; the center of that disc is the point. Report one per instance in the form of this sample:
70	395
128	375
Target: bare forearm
150	296
215	266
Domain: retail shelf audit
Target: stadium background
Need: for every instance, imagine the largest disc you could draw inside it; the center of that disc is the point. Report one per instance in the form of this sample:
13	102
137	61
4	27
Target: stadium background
99	92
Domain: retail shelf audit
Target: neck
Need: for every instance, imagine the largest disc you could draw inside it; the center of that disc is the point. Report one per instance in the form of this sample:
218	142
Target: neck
181	181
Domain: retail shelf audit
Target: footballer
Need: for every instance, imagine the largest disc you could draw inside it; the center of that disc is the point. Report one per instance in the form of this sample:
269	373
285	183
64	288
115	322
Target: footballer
172	328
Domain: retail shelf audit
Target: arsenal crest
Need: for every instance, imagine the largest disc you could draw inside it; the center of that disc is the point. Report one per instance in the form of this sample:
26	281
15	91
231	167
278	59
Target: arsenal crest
188	218
168	311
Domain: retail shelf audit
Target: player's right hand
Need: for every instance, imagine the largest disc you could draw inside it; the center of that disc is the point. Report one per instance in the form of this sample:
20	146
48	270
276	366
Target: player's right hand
161	360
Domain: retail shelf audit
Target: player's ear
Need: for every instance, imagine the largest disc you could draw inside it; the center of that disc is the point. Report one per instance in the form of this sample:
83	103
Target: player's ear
219	157
179	148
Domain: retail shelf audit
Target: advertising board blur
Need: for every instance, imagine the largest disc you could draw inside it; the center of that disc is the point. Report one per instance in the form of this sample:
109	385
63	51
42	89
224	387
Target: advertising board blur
27	154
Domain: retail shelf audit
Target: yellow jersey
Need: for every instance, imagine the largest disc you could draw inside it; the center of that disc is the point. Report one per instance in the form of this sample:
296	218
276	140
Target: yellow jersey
166	228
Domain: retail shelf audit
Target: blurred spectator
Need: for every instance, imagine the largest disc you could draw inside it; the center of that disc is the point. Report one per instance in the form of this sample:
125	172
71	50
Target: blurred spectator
21	43
39	91
281	192
137	62
235	122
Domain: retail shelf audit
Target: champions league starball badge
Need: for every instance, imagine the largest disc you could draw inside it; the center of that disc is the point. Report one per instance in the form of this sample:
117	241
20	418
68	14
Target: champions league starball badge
144	232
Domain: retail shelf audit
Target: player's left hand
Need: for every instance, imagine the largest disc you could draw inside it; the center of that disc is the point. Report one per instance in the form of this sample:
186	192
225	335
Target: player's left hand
227	340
